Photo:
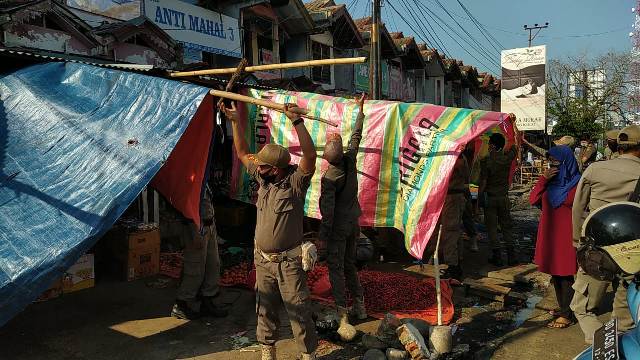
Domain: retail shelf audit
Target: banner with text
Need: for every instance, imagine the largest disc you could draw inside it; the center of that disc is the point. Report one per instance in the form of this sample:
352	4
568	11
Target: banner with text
195	27
524	86
404	162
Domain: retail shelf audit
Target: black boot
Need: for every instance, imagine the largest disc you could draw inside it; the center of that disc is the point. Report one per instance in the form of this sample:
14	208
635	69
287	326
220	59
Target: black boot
182	311
209	308
496	258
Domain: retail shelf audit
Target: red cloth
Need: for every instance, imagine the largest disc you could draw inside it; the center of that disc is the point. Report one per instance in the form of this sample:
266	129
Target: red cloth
180	179
555	254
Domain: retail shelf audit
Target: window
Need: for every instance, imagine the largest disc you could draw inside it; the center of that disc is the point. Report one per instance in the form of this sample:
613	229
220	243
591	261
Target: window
321	73
137	40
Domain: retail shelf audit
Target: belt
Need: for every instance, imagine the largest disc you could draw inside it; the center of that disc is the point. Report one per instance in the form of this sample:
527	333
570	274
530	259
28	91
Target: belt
281	256
207	222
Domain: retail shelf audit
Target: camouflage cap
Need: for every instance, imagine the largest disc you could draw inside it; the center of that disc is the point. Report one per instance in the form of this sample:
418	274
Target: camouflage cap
274	155
629	135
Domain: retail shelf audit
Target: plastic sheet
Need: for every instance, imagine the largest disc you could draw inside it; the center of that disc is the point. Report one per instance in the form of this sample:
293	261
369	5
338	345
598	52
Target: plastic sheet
77	145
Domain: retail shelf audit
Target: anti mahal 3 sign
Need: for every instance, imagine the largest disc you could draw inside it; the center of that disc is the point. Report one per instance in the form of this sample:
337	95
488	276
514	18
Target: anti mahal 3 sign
198	29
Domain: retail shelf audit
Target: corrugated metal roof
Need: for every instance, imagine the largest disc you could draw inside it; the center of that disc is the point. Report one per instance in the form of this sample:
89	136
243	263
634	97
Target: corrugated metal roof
19	53
65	58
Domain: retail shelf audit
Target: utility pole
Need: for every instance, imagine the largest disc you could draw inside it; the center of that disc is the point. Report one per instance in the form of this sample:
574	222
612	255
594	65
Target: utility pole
376	79
531	37
535	27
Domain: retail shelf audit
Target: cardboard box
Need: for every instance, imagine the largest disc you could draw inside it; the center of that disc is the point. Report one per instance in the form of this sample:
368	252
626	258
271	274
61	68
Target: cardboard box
54	291
138	254
142	262
80	275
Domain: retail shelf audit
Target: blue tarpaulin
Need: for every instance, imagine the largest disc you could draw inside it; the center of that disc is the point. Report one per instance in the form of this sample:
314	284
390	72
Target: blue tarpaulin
77	145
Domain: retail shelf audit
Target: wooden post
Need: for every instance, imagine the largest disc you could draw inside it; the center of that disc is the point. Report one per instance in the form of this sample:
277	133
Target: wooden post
298	64
268	104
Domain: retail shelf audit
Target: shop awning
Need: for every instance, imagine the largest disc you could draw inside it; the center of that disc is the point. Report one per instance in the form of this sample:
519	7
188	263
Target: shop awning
78	143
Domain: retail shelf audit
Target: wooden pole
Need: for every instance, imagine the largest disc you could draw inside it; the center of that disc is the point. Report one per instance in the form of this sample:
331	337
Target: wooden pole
339	61
267	104
436	266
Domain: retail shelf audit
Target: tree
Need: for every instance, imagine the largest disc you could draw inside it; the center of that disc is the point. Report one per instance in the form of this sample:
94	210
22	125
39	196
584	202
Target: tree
586	97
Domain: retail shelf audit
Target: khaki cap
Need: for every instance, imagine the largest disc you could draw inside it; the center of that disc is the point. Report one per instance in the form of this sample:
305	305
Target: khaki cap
274	155
612	134
565	140
629	135
626	255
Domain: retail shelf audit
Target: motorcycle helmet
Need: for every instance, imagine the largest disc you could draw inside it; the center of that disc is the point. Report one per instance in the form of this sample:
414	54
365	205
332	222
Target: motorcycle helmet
611	236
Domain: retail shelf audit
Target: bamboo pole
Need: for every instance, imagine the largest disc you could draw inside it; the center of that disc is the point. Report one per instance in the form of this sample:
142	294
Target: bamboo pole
291	65
436	265
268	104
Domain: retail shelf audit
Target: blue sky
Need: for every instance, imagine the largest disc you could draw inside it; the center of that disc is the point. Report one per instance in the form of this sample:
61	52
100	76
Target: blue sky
576	27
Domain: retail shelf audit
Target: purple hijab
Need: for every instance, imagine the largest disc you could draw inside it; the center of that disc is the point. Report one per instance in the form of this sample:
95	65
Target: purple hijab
567	177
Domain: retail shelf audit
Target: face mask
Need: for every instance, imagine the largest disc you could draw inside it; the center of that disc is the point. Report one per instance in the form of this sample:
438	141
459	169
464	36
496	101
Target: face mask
268	177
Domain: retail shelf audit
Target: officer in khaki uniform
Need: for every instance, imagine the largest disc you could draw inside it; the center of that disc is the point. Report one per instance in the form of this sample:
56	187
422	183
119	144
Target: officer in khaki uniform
587	154
201	269
602	183
611	150
340	211
278	238
493	194
451	220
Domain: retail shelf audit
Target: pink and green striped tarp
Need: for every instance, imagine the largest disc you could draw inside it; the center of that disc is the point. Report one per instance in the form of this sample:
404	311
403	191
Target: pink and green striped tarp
404	162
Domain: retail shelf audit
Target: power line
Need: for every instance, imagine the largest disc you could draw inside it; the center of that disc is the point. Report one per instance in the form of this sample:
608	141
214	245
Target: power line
483	32
429	39
443	48
442	23
457	23
418	33
436	40
439	21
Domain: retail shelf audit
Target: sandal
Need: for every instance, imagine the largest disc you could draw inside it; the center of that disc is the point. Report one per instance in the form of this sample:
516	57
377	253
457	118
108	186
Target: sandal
554	312
560	323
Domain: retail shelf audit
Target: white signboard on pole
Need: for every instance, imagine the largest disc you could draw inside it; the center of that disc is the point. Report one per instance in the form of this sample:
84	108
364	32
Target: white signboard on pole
194	27
524	86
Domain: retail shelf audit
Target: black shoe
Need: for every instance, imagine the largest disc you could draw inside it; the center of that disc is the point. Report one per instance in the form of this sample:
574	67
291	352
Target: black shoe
207	307
182	311
496	258
452	272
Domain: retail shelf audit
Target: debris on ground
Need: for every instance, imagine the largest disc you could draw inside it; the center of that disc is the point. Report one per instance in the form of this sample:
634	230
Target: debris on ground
239	341
413	342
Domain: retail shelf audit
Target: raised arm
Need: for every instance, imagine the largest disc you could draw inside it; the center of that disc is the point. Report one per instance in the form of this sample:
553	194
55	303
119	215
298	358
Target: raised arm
356	135
309	155
537	149
239	142
516	134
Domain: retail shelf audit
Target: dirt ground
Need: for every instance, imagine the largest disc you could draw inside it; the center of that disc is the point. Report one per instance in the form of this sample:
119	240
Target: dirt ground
129	320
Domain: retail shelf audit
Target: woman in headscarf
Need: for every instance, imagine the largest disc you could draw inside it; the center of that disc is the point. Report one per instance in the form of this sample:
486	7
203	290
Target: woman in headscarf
555	254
